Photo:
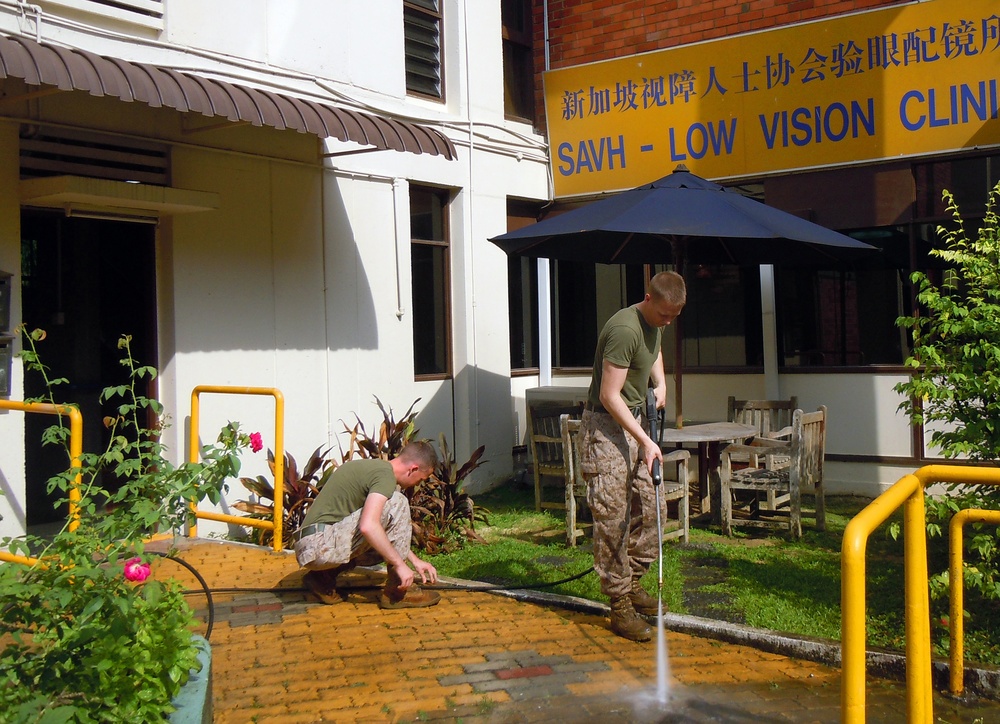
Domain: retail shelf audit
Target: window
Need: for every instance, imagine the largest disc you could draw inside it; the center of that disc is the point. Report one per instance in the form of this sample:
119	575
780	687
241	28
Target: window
422	47
145	13
721	322
518	63
720	325
430	263
522	293
847	317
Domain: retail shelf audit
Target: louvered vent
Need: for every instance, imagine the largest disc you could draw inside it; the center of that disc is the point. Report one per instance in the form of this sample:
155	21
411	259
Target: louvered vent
61	152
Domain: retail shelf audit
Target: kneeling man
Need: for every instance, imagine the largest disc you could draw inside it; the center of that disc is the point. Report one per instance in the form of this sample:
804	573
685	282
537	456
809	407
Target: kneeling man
360	517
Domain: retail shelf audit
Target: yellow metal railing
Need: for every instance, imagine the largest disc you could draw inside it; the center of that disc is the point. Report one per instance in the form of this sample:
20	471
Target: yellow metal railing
75	451
275	524
956	584
908	493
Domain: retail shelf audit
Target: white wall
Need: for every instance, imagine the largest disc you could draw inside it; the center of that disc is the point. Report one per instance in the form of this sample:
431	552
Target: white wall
11	423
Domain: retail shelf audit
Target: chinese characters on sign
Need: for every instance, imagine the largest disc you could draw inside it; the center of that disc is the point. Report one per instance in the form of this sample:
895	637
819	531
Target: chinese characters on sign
895	82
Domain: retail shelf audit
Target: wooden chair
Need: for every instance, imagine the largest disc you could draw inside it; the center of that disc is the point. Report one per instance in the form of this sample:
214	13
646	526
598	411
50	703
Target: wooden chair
670	490
546	444
791	465
768	416
576	487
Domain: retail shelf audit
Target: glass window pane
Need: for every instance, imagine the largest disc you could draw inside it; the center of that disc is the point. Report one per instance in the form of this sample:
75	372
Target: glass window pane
430	307
522	276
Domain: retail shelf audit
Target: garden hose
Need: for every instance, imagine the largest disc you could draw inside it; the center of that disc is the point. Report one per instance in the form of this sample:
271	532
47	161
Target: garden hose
210	604
436	586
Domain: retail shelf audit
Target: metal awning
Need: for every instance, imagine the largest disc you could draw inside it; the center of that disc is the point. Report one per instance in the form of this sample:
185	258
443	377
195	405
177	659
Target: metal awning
73	69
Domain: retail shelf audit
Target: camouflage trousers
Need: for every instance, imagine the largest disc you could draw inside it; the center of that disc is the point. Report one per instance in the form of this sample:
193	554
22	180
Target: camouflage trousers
622	500
341	542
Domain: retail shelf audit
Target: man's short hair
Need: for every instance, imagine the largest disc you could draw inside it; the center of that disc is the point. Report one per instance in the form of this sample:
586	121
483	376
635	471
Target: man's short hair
668	286
420	452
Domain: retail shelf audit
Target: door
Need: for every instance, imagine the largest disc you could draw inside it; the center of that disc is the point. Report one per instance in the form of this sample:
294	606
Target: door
86	282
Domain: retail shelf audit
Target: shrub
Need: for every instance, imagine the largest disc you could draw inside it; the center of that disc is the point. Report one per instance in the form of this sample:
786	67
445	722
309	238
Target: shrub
84	636
443	515
955	380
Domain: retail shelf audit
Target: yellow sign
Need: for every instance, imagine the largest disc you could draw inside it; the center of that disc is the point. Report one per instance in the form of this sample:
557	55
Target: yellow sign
903	81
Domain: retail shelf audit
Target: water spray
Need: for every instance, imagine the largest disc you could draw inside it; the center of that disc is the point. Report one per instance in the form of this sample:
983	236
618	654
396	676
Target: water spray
662	666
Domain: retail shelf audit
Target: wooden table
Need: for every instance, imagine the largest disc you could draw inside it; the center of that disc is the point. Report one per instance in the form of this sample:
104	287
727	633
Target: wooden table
710	438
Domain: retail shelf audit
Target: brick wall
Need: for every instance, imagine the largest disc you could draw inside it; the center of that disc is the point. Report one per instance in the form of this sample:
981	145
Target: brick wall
583	31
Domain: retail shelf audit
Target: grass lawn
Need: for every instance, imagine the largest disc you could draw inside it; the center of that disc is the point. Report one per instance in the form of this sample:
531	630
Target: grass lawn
765	581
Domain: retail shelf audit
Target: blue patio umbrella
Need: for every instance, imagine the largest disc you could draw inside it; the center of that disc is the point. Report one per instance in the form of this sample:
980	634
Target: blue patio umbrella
683	218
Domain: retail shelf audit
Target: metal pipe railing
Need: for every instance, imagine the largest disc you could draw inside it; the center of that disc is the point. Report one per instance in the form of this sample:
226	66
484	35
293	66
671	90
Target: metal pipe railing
274	525
956	584
75	445
907	492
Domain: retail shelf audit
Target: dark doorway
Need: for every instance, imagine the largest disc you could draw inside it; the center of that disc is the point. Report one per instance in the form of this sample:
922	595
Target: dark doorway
86	282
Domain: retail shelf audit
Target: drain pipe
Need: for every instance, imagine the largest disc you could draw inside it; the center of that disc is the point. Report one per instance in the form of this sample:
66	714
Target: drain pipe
544	278
399	202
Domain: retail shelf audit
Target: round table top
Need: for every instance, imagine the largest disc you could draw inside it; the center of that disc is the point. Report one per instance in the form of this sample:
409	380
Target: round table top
708	432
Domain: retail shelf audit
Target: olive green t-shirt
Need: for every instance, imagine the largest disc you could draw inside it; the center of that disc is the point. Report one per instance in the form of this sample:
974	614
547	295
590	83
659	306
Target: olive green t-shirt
627	340
348	488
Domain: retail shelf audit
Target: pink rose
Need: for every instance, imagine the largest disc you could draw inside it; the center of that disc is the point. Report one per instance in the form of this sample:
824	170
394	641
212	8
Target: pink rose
256	442
135	570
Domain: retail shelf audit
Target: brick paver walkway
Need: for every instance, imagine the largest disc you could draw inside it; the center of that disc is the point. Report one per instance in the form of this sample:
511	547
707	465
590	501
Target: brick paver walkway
280	657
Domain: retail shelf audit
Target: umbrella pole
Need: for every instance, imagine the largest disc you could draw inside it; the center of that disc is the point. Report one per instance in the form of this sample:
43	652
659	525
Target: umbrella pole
678	347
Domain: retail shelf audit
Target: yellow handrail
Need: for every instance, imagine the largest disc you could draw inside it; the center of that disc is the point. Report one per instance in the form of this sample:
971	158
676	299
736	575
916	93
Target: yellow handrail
907	492
956	582
75	445
274	525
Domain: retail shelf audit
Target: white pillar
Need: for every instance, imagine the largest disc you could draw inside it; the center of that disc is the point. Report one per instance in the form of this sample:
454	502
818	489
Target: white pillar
544	324
772	388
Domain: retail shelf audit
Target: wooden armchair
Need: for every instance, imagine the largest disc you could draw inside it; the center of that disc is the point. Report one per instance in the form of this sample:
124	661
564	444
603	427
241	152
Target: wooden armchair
546	444
790	466
768	416
670	490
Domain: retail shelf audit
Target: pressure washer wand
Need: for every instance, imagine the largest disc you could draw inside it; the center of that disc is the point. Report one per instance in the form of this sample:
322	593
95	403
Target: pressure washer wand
654	434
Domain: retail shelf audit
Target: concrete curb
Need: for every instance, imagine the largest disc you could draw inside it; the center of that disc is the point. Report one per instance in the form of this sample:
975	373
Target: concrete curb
981	682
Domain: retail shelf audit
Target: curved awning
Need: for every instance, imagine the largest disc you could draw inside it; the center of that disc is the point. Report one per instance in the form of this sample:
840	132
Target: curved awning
67	69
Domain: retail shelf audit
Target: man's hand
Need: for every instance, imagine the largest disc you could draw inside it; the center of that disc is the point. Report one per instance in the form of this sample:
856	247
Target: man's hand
405	575
660	393
428	574
650	453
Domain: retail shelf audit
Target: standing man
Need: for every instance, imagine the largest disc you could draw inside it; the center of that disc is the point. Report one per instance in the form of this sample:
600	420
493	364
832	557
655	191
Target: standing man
361	518
617	454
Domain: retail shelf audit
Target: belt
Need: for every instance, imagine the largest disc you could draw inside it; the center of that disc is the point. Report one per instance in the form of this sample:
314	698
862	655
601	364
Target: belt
636	411
312	530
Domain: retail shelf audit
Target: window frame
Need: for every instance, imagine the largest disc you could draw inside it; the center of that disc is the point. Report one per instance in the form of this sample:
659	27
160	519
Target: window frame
522	79
422	10
444	196
144	13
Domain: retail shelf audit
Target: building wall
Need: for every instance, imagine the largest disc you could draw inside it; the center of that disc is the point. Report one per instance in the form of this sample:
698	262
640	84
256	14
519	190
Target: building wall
11	422
300	280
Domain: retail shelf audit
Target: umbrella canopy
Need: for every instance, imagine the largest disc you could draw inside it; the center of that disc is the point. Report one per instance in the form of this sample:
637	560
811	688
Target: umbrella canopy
682	217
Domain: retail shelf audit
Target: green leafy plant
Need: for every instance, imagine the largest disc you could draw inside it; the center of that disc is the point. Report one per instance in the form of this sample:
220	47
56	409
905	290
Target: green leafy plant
84	636
300	489
389	437
444	516
955	364
954	385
